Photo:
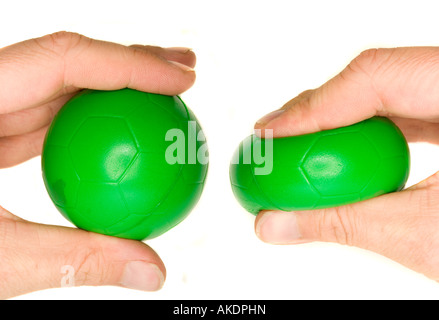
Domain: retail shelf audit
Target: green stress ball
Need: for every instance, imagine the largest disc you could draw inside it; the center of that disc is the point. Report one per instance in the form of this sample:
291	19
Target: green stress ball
124	163
319	170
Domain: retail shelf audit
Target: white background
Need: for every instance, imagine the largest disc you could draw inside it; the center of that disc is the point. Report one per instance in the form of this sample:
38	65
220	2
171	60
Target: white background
253	56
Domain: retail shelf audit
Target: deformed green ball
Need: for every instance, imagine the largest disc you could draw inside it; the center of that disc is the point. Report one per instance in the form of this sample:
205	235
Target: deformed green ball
319	170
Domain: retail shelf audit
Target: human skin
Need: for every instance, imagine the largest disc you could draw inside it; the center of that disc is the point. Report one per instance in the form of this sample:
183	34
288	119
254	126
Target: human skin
399	83
38	77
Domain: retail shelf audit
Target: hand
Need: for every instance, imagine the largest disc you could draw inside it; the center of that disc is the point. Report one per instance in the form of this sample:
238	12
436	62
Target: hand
401	84
37	77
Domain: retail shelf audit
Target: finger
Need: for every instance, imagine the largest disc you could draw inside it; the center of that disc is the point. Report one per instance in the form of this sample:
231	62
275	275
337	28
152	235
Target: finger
35	70
103	65
182	55
388	82
5	214
401	226
178	54
17	149
347	98
37	257
29	120
431	184
418	130
345	225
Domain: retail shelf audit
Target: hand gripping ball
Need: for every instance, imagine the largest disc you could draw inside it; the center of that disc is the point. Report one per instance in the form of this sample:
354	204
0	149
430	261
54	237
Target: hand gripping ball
319	170
124	163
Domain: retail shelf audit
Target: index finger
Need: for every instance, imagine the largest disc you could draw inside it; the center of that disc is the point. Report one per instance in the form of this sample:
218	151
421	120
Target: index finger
34	71
387	82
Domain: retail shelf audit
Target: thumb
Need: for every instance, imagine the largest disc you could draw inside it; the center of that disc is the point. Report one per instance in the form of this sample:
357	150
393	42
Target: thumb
353	95
401	226
36	257
344	225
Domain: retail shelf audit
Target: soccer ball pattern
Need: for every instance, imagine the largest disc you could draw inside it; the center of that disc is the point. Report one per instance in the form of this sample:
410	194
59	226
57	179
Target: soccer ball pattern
104	163
323	169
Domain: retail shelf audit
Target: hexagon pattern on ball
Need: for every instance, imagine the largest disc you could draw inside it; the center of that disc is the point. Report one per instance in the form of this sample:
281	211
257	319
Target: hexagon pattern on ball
323	169
104	163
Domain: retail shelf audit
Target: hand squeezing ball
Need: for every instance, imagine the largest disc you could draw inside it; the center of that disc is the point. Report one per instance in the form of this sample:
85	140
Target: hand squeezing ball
121	162
319	170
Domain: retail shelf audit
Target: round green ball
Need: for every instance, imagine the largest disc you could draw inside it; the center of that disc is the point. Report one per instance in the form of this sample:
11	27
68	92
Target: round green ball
105	165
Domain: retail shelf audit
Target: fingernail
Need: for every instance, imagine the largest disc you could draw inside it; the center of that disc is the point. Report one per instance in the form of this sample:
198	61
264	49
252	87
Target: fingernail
269	117
181	66
278	228
141	275
179	49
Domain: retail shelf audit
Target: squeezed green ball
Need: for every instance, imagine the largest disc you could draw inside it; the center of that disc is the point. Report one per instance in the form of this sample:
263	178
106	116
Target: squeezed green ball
320	170
121	162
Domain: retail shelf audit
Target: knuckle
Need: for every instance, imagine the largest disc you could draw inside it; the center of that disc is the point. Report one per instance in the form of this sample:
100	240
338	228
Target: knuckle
364	63
368	55
88	264
59	42
337	225
370	60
